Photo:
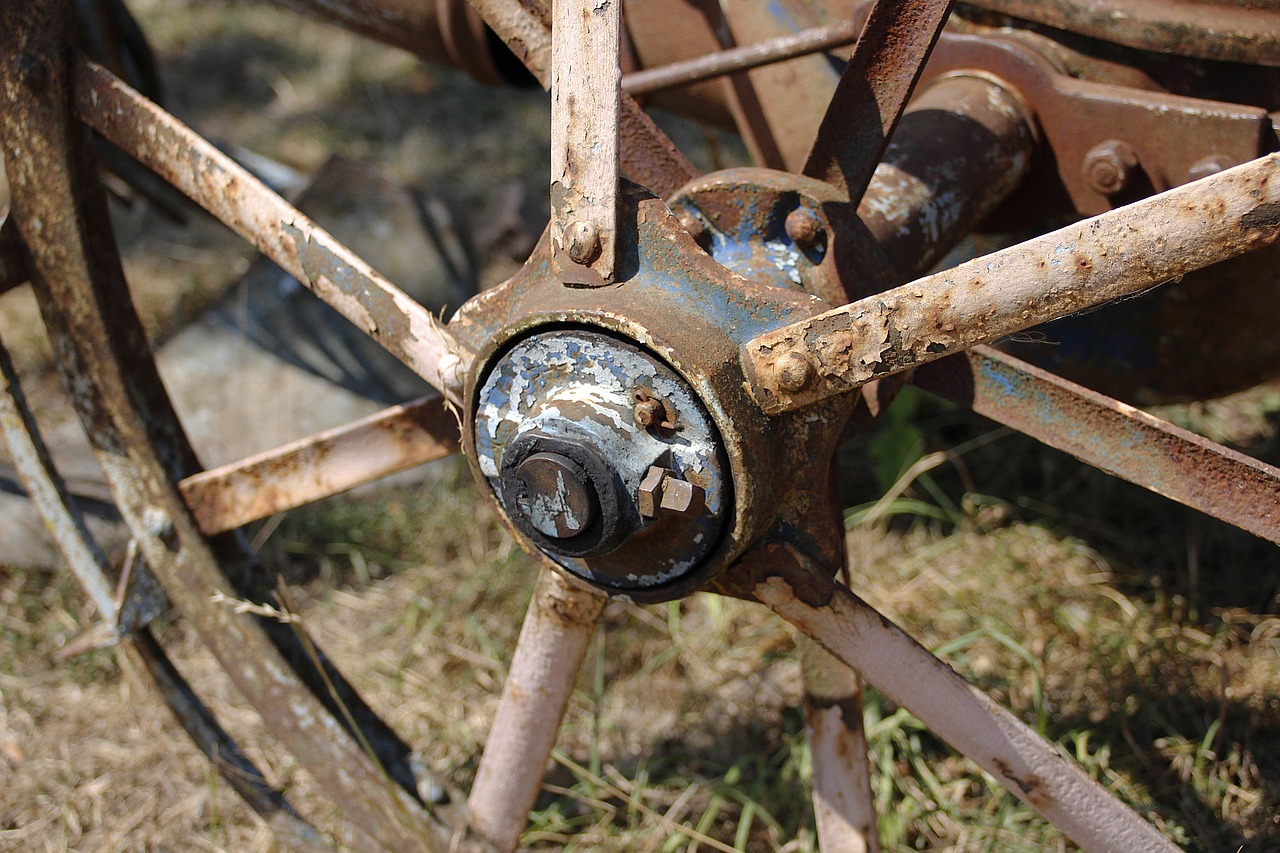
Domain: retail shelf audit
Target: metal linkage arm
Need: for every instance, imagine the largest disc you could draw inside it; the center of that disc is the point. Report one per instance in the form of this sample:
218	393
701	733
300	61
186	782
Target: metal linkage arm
1117	254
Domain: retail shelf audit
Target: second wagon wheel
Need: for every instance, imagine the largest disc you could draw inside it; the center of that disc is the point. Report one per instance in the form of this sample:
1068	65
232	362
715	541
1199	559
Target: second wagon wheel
649	421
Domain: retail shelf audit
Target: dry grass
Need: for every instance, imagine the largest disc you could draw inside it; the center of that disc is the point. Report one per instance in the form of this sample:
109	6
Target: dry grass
1140	638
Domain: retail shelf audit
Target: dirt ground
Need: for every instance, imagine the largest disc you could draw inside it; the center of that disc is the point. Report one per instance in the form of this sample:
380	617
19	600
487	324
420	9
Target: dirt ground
1139	637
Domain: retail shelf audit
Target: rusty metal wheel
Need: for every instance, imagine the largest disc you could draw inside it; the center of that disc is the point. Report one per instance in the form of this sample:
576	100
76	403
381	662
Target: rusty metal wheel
623	395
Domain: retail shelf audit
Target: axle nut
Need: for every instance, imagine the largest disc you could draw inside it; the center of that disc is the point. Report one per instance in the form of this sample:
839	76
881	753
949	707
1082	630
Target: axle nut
558	498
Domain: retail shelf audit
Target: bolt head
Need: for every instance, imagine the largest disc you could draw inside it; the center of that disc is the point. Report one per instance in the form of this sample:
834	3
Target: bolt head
794	372
804	228
1109	167
582	241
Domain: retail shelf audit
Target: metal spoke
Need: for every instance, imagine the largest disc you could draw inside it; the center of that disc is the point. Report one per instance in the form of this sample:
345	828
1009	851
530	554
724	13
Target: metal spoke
322	465
276	228
873	90
553	642
647	155
1029	767
1117	254
842	803
1120	439
584	138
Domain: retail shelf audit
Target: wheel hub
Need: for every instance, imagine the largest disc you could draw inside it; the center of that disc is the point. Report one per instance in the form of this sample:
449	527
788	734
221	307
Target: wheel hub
604	457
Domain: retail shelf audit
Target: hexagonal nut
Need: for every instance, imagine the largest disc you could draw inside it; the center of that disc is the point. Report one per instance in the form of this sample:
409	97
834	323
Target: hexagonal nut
682	496
650	496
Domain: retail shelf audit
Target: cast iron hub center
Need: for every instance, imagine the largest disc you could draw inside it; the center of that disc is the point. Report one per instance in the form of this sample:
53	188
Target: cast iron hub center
568	436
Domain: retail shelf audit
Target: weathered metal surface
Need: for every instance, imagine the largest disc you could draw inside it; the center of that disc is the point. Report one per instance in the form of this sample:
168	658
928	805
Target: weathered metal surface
736	59
572	394
447	31
1170	134
1114	437
646	154
779	107
784	230
61	212
873	90
585	77
321	465
236	769
553	642
1208	335
1085	264
1226	30
281	232
686	311
1019	759
963	147
843	805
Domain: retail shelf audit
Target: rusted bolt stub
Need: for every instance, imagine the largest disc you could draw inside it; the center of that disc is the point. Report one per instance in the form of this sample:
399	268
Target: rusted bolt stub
582	241
794	372
654	413
804	228
662	489
1109	166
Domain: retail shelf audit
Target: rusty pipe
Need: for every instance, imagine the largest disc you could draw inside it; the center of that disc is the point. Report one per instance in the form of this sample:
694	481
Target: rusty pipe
962	147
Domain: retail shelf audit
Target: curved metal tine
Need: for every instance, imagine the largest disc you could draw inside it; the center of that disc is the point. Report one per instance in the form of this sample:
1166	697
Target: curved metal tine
873	90
553	642
973	724
87	562
321	465
106	364
276	228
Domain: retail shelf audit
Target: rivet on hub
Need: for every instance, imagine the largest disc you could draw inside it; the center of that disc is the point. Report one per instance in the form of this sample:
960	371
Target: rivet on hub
794	372
804	228
582	241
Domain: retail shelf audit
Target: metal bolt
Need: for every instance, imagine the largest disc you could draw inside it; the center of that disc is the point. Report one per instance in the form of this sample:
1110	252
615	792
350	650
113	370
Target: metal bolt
1206	166
804	228
582	241
559	500
794	372
662	489
653	413
1109	166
